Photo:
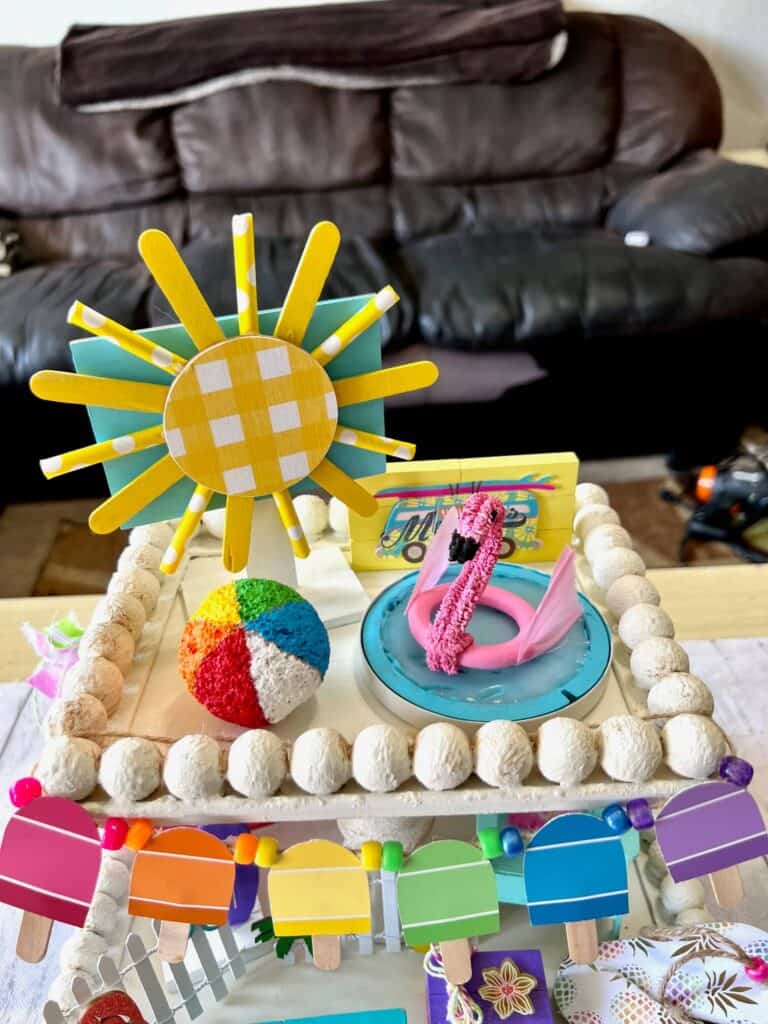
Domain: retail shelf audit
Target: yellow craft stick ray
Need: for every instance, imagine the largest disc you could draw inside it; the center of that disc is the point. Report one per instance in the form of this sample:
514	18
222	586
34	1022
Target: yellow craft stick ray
103	451
177	284
375	443
309	277
190	520
244	249
80	389
343	336
237	532
96	323
343	487
290	521
397	380
135	496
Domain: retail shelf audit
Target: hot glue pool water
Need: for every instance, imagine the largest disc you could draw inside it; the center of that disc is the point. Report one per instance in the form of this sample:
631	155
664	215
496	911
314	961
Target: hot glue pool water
560	676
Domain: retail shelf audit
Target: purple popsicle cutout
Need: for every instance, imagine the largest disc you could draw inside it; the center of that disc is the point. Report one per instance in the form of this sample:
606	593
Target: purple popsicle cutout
708	828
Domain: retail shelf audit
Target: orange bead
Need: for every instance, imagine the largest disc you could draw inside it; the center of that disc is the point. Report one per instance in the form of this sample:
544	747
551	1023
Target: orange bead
245	848
139	834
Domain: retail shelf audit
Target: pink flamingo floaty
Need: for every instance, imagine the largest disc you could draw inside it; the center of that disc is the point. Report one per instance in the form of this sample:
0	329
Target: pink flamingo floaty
474	539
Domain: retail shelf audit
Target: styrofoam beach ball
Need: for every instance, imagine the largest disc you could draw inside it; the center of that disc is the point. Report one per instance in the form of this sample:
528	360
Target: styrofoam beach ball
253	651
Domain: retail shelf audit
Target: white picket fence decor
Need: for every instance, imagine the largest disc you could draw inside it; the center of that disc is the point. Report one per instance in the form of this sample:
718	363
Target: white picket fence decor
139	977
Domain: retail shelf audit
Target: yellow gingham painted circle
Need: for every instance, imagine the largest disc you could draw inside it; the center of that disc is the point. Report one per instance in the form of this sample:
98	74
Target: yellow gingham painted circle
251	415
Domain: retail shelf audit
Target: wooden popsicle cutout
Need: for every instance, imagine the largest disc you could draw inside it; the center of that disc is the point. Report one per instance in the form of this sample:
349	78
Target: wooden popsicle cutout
709	829
575	873
310	275
49	862
319	888
82	389
396	380
446	893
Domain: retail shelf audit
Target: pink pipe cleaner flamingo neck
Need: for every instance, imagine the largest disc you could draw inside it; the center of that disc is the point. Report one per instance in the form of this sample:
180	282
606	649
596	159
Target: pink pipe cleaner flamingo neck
482	522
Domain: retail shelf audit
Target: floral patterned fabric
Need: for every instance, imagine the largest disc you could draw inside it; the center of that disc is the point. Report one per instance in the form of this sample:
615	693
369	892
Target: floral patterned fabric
623	986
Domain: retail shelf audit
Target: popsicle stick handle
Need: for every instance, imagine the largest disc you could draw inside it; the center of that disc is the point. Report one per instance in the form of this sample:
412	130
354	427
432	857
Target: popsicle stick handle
34	934
172	941
727	887
326	952
457	960
582	941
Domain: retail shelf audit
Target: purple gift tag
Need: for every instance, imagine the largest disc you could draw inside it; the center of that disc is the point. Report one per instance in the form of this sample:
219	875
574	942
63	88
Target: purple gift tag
528	961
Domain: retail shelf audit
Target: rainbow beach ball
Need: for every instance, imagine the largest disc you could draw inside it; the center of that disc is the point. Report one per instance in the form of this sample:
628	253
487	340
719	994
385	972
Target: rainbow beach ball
253	651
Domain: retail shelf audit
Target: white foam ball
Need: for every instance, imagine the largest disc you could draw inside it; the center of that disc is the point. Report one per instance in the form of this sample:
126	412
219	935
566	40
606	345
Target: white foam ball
693	746
655	865
655	657
644	620
192	769
320	761
124	609
103	916
114	878
590	516
258	763
338	517
567	751
614	563
312	511
409	832
81	716
139	583
442	757
680	693
630	748
381	759
693	916
214	520
110	641
627	591
130	769
157	535
82	950
144	556
605	537
67	767
503	754
590	494
94	676
679	896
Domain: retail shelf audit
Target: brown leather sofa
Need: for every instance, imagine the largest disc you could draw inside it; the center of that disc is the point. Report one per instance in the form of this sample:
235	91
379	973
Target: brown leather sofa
499	212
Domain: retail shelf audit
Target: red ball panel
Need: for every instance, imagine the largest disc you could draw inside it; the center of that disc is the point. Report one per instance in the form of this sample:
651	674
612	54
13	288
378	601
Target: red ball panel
199	638
223	683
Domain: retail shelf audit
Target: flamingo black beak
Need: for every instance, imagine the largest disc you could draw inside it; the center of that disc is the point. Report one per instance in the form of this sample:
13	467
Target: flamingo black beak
462	549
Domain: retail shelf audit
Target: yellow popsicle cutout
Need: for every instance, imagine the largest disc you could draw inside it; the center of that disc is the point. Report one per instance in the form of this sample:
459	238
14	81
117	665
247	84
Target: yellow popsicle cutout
80	389
304	291
367	387
237	532
136	495
343	487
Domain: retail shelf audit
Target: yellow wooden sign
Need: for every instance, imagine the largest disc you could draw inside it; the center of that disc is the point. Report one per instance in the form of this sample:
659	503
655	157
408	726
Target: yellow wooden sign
537	491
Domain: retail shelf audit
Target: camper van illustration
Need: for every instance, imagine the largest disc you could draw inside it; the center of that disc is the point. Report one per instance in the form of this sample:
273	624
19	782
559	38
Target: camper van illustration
417	512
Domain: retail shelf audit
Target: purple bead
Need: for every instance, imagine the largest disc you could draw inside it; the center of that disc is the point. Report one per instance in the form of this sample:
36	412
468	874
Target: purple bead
616	819
512	842
640	814
736	770
23	791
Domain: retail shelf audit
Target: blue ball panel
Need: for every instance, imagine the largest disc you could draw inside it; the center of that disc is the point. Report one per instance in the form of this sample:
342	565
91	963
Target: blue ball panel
296	629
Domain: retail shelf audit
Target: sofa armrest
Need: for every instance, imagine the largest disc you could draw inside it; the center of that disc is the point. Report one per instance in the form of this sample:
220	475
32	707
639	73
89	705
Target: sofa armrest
701	206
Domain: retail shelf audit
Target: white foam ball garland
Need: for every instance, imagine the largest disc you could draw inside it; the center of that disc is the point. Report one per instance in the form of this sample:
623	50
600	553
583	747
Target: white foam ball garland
81	716
143	556
157	535
655	657
213	521
381	758
693	916
192	769
114	878
644	620
590	516
627	591
338	517
605	537
139	583
130	769
258	763
312	512
320	762
503	754
679	896
693	746
124	609
409	832
442	758
108	640
614	563
680	693
630	748
103	916
567	751
82	950
67	767
590	494
94	676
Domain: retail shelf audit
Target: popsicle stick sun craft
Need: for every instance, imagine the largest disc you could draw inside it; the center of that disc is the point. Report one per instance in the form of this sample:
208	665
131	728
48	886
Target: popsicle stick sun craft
244	417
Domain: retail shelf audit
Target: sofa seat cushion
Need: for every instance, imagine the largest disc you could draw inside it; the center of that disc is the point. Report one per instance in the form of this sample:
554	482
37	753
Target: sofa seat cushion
505	291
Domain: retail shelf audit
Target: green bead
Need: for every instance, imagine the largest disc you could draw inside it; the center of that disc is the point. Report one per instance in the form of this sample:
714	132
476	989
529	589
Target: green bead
391	856
490	843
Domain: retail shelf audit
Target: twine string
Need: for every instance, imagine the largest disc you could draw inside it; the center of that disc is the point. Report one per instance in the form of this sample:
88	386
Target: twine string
461	1007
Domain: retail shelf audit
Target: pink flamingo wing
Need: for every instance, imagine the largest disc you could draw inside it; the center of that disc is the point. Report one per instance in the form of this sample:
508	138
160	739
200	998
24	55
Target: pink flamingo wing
436	559
557	612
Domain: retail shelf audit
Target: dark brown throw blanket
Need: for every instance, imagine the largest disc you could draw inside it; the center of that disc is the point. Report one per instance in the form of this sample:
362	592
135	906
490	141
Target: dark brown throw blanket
363	45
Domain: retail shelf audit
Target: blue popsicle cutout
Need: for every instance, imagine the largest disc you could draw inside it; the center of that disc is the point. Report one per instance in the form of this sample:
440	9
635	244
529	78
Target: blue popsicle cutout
575	870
